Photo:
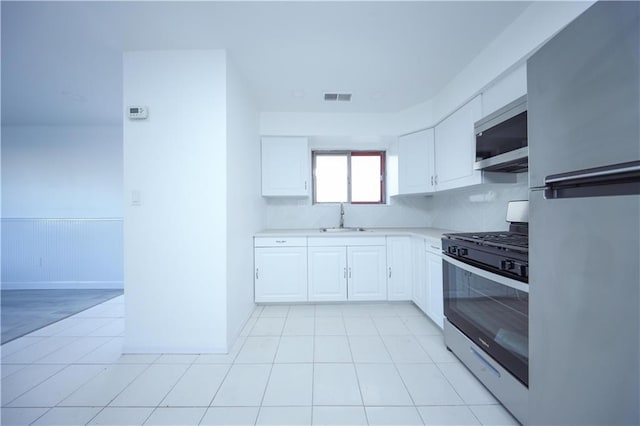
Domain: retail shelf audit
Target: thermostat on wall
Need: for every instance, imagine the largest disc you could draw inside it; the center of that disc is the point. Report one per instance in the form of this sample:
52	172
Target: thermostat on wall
138	112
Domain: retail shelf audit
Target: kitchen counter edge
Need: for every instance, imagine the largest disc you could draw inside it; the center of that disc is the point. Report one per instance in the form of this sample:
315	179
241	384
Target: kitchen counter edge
431	233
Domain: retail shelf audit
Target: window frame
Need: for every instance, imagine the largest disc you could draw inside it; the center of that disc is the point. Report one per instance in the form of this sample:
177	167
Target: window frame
349	154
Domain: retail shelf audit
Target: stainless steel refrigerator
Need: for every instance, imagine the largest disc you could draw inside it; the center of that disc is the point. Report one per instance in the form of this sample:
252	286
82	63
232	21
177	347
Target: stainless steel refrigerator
584	226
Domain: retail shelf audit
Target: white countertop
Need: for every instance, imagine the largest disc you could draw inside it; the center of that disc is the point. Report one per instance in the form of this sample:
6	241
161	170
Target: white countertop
432	233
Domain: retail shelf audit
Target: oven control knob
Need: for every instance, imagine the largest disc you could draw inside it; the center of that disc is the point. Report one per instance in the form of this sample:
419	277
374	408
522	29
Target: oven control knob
507	265
462	251
453	250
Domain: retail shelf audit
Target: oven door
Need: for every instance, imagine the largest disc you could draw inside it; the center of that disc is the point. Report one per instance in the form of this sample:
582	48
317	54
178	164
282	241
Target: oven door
492	311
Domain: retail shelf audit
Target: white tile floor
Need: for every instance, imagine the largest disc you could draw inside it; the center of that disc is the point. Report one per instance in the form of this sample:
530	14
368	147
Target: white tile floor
376	364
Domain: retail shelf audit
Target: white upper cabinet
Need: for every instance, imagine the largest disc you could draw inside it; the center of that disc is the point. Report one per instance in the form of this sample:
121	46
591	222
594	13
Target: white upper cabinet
455	148
285	166
392	169
505	90
415	162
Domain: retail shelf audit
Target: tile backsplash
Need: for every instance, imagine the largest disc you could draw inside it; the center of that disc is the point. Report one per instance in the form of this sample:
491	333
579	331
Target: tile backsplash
285	213
479	208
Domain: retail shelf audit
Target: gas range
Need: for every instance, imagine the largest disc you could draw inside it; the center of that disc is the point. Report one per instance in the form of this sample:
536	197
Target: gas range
505	253
486	305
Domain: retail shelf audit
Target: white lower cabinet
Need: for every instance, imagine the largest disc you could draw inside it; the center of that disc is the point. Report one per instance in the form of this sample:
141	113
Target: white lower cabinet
435	301
427	291
327	274
366	278
352	269
419	274
399	264
280	274
337	269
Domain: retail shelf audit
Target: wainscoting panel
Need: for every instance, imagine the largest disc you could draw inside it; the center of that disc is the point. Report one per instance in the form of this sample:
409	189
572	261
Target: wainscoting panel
62	253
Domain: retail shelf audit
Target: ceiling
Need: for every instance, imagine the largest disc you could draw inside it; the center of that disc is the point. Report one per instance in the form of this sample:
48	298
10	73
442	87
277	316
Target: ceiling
62	61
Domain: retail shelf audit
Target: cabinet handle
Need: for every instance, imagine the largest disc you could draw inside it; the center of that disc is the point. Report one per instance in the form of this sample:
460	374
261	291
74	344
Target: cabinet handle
345	272
305	185
281	241
389	271
436	179
349	272
431	180
257	270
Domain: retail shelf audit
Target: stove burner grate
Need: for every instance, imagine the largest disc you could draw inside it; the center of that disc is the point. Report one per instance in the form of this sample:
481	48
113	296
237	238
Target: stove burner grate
505	240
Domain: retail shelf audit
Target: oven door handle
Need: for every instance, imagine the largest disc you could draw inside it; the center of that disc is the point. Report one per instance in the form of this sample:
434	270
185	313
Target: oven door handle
488	275
486	363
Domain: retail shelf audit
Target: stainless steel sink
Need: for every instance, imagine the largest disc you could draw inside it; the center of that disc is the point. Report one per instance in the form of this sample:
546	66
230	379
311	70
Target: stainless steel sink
342	229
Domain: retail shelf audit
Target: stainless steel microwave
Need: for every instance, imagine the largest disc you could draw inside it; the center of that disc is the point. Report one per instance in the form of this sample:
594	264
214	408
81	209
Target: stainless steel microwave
501	139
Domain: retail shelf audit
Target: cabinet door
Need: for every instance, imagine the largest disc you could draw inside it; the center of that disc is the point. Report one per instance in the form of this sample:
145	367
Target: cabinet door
285	166
367	273
327	274
419	293
455	148
281	274
507	89
435	309
416	162
399	268
393	177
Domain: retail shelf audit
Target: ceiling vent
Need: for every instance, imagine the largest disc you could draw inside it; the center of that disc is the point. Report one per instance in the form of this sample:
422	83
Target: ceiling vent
338	97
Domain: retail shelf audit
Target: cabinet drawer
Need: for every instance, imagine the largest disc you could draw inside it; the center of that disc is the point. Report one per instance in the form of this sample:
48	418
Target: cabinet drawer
433	245
347	241
280	242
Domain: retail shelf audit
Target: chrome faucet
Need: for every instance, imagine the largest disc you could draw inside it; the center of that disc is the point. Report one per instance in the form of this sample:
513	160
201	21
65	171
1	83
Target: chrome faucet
341	215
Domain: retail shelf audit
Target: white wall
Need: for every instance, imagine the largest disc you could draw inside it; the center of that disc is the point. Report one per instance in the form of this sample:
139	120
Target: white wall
61	207
175	241
324	124
61	172
246	209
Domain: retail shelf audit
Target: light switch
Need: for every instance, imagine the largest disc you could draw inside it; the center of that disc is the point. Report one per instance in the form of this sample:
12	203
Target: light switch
135	197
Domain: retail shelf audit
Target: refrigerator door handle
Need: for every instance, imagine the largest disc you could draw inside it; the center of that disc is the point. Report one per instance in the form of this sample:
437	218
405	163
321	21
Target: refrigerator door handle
598	172
617	179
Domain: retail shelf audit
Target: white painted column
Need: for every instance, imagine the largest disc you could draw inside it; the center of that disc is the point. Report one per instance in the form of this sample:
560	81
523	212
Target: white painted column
175	189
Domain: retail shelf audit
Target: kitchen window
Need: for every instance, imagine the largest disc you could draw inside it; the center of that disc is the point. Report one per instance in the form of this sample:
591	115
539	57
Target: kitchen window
355	177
